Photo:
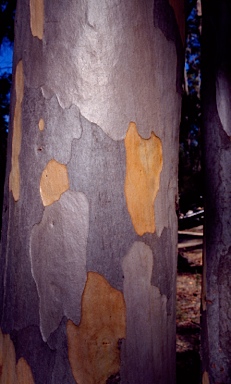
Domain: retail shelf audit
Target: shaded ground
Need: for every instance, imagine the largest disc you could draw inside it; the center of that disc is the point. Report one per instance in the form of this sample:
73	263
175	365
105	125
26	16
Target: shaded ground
188	306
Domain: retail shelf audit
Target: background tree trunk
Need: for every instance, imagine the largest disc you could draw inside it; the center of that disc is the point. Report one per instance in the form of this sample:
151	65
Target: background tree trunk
216	97
89	242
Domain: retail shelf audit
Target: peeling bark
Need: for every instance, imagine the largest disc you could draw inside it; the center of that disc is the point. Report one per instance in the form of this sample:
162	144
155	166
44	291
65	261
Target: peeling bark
93	346
144	162
68	242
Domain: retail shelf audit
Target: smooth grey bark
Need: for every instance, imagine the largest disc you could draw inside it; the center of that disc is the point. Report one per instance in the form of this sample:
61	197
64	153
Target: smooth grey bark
216	97
89	243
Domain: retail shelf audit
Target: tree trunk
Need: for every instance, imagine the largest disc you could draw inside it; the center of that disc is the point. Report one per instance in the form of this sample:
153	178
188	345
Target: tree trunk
216	96
89	242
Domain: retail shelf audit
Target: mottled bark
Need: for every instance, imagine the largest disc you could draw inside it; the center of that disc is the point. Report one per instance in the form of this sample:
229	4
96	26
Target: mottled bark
216	96
89	244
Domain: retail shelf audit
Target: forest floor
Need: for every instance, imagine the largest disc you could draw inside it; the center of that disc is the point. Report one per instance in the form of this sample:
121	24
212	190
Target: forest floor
188	305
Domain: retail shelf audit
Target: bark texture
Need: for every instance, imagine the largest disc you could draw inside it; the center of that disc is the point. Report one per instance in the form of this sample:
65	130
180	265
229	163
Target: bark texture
89	243
216	93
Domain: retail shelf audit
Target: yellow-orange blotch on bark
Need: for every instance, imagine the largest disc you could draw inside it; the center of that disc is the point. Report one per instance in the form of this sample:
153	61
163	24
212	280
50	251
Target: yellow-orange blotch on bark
37	18
54	181
93	348
144	163
7	360
41	125
179	9
14	179
205	378
23	372
10	372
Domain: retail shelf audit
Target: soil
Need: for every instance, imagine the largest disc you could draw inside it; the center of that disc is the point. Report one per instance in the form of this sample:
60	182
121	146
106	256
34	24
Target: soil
188	306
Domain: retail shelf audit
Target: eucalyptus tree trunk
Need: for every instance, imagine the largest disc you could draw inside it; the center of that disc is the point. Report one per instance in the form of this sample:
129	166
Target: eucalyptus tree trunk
89	242
216	297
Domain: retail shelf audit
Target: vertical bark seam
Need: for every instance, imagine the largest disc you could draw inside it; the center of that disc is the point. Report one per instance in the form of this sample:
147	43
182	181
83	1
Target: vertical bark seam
14	178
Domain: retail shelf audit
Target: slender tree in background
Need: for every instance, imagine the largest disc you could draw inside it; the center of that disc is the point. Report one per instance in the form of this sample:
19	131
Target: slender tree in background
89	240
7	10
5	84
216	98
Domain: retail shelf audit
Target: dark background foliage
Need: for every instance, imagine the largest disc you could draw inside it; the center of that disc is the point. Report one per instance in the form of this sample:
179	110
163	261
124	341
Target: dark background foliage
7	8
190	172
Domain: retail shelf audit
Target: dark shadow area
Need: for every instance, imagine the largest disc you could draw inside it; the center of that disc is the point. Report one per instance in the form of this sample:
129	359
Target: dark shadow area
191	208
193	218
114	379
188	368
189	277
185	267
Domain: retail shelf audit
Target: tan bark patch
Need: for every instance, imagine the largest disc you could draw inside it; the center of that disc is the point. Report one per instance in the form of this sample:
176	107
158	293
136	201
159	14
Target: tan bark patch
37	18
7	360
23	371
41	125
10	373
93	345
199	8
144	163
205	378
54	182
178	6
14	180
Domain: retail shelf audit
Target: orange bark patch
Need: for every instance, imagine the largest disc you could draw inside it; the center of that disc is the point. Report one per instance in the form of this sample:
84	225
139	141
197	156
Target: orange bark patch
7	360
178	6
54	181
23	372
41	124
37	18
93	345
205	378
14	180
144	163
10	373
